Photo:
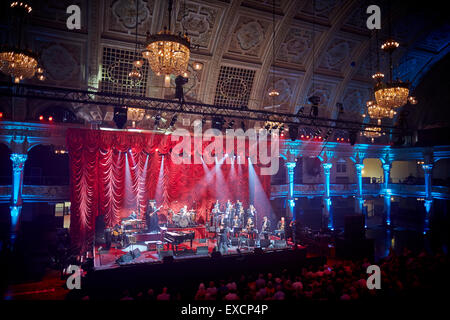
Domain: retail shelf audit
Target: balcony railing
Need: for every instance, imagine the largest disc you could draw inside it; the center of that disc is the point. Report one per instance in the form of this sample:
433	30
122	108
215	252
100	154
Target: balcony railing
31	193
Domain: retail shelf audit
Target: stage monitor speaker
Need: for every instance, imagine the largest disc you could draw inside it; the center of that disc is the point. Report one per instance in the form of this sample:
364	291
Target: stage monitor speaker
136	253
168	259
279	244
264	243
203	250
164	253
127	257
354	227
258	251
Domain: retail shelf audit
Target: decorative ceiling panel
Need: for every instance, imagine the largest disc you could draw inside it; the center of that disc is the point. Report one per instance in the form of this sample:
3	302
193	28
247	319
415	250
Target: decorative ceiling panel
249	37
296	46
354	101
116	65
120	18
201	22
286	86
338	54
320	9
234	86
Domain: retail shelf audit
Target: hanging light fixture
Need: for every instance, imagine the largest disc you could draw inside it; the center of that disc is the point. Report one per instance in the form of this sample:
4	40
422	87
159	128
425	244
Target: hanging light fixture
273	92
372	133
391	94
166	52
135	74
377	112
16	62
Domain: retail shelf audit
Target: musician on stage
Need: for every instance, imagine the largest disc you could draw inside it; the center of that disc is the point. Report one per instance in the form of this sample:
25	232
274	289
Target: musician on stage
236	225
265	228
222	241
251	213
250	226
151	216
183	210
281	228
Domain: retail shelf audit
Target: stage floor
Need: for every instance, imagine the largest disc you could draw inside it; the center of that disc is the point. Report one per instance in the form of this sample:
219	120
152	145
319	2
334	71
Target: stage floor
107	259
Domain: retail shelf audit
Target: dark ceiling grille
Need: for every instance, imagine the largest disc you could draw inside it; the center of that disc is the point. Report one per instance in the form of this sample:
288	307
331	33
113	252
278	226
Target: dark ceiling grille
234	86
116	65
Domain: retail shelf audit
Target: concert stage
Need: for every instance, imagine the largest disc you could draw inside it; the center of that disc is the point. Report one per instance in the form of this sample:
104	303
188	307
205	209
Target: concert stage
153	247
185	272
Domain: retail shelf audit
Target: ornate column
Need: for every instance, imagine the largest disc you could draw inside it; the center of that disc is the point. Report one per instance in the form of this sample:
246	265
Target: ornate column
326	197
359	193
428	171
290	196
386	192
18	161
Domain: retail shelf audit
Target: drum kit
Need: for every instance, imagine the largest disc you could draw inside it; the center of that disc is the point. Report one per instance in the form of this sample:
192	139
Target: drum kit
184	219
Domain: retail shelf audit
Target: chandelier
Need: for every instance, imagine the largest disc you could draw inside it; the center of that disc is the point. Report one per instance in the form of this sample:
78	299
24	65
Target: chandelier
372	133
391	94
168	53
18	63
378	112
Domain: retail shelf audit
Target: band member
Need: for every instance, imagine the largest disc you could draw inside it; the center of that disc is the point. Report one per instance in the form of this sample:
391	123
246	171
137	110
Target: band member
251	212
265	228
250	226
151	217
236	225
281	228
239	206
223	238
296	230
183	210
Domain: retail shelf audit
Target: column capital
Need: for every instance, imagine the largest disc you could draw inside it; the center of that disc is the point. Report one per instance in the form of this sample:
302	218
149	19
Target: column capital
291	165
327	167
427	167
18	160
386	167
359	167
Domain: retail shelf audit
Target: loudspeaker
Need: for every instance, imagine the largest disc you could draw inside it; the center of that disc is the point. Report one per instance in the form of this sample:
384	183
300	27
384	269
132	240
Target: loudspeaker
164	253
258	251
136	253
203	250
168	259
128	257
107	239
264	243
279	243
354	227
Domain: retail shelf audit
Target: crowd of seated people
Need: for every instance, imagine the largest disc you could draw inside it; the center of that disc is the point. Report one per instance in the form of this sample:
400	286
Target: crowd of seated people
401	275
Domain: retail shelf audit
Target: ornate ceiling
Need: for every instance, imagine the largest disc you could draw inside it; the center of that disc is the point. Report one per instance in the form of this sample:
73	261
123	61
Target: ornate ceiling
322	47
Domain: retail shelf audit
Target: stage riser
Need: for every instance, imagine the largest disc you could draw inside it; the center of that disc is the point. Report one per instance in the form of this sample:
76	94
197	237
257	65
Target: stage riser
180	273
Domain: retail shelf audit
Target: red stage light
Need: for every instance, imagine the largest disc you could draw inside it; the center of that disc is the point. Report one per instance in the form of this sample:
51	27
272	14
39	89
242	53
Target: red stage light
302	136
307	137
50	119
41	118
156	150
1	115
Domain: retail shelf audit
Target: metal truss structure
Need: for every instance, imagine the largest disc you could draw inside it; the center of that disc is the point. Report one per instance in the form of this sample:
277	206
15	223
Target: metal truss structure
104	99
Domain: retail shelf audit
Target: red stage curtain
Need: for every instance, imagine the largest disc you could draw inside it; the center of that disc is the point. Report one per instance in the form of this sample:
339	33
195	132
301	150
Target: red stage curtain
115	172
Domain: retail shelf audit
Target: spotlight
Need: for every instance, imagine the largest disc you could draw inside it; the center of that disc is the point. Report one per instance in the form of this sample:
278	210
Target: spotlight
50	118
352	135
157	119
174	120
293	132
41	118
217	123
340	107
120	117
314	111
1	115
243	125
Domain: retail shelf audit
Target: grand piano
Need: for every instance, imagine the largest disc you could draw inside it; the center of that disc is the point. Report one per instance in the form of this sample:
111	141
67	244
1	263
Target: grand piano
177	238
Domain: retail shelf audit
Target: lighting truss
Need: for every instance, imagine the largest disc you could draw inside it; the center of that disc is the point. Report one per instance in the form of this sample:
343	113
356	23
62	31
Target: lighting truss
104	99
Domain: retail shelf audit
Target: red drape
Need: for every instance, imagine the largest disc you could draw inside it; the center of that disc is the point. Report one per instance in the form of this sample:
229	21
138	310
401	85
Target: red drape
113	172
